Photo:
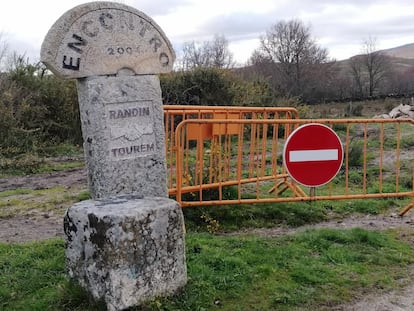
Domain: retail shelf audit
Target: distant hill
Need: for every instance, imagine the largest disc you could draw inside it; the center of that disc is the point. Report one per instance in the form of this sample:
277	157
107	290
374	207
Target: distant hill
404	51
402	57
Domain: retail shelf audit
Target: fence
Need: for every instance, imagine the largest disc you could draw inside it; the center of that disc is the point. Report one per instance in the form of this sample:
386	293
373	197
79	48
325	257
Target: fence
174	114
240	161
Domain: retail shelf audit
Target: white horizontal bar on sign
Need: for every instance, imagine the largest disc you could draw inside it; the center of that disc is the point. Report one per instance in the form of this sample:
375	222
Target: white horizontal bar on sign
313	155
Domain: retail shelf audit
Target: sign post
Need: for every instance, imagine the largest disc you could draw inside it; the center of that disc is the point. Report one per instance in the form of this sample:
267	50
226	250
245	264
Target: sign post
313	155
126	245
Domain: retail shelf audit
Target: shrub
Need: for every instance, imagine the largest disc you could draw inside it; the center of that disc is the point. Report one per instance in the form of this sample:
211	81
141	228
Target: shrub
356	155
36	108
22	165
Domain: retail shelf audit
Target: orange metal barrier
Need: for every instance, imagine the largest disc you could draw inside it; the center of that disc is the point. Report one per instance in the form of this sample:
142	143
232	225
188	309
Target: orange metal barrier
244	164
174	114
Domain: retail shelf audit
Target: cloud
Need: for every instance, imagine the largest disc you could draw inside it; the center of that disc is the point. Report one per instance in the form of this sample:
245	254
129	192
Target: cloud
157	7
338	25
238	26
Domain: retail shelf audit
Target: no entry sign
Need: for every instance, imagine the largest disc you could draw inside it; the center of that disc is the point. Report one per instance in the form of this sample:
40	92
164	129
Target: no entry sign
313	154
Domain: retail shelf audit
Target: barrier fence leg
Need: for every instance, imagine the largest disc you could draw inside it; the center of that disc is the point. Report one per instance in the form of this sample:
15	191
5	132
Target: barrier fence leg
407	208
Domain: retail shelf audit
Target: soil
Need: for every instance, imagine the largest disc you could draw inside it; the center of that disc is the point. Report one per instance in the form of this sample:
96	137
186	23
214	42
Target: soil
68	178
38	226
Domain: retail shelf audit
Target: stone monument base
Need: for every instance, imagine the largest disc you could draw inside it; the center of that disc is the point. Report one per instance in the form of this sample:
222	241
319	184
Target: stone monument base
126	250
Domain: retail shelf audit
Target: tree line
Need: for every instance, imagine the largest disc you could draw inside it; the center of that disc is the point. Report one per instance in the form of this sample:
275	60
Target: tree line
293	65
287	68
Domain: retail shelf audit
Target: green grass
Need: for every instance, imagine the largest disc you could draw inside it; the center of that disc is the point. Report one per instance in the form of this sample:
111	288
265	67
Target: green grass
43	159
35	165
245	216
20	191
235	217
364	206
60	166
30	275
303	271
68	150
23	201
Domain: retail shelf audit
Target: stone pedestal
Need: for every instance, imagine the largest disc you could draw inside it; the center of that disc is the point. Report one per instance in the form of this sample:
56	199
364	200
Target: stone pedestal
127	244
123	132
126	250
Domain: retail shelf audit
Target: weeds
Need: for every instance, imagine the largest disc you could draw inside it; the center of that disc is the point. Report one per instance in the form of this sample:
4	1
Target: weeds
25	201
213	225
25	164
306	270
41	160
243	216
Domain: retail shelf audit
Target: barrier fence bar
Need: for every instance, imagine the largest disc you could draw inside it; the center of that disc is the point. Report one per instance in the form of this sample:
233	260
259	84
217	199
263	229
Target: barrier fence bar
174	114
241	161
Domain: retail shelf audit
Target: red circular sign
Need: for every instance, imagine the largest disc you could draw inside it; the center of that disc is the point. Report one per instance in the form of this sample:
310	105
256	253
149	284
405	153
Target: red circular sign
313	154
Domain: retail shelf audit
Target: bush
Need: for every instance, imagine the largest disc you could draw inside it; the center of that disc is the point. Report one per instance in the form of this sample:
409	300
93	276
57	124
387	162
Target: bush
22	165
213	87
35	108
202	86
353	110
356	155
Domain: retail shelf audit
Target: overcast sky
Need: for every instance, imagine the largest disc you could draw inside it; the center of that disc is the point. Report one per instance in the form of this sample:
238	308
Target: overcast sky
338	25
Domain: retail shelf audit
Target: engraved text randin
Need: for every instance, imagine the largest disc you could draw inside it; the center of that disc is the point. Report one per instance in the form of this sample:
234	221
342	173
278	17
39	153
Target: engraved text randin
131	128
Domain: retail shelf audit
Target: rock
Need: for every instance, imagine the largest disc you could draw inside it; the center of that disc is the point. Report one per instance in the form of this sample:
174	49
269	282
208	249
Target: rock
400	112
126	250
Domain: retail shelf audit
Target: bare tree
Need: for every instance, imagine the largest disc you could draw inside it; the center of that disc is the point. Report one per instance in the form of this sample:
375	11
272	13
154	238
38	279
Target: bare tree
261	66
376	64
370	69
289	45
193	55
3	50
210	54
220	55
357	73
